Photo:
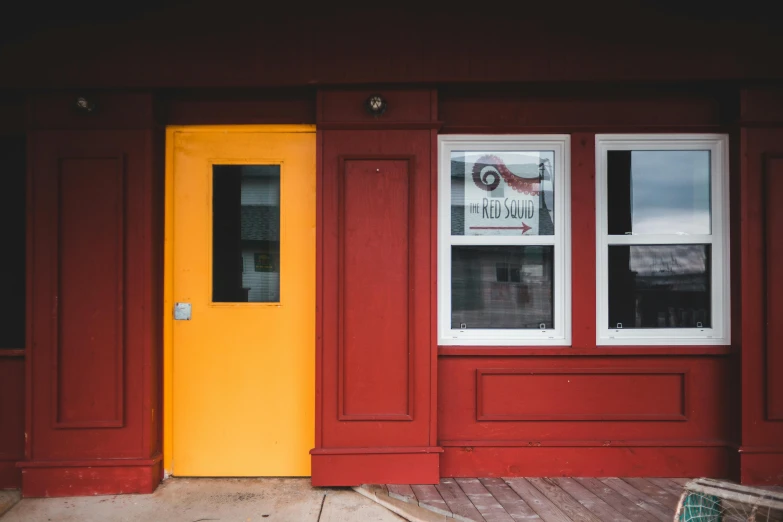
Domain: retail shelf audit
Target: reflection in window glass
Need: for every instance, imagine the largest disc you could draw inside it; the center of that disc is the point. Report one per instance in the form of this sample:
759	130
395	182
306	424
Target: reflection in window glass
502	193
659	286
502	287
658	192
246	233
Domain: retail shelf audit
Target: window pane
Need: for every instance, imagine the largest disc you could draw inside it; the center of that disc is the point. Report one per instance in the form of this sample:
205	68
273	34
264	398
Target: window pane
658	192
502	193
246	233
13	156
659	286
502	287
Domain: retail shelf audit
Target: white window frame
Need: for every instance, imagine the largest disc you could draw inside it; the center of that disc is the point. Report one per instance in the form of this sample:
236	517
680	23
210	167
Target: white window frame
720	331
560	335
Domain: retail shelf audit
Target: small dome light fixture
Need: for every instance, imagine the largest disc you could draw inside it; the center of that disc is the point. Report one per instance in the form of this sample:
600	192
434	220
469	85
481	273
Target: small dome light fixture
84	105
375	104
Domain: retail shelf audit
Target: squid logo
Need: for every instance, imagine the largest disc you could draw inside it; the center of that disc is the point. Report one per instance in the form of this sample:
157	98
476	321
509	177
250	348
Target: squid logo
488	171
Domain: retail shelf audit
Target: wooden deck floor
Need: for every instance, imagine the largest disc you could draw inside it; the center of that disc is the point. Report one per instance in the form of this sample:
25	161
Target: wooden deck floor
548	499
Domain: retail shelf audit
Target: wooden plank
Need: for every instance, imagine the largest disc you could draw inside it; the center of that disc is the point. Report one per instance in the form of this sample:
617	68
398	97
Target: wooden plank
517	508
457	500
483	500
666	484
565	502
616	500
680	481
650	505
402	492
427	496
537	500
591	501
651	490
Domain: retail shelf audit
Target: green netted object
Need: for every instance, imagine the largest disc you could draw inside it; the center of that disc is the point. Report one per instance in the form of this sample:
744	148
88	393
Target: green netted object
701	508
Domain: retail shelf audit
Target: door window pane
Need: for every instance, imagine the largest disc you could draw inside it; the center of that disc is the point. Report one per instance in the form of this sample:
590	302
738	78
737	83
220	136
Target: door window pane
502	287
658	192
246	233
659	286
502	193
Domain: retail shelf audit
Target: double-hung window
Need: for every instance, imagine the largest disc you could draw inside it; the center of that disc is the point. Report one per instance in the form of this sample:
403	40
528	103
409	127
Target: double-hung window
503	245
662	239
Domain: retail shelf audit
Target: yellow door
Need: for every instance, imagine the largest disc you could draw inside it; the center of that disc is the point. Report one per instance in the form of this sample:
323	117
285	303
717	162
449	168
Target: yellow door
240	361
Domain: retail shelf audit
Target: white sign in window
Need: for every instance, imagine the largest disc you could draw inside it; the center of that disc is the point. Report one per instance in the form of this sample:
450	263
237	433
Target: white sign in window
503	251
662	241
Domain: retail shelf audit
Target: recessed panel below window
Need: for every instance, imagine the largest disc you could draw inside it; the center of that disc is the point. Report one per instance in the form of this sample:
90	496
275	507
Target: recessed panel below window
505	287
659	286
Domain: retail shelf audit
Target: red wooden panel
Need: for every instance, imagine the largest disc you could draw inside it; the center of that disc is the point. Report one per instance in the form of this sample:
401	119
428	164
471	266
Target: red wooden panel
348	106
12	419
762	432
773	231
375	258
113	110
85	479
368	468
236	107
585	401
761	105
591	108
580	395
105	392
707	461
89	359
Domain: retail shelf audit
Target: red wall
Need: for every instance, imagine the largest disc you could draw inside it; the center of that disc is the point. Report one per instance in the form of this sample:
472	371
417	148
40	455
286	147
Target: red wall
391	405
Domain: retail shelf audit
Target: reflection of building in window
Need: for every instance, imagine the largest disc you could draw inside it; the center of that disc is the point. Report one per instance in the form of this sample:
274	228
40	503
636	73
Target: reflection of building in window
660	286
261	236
502	287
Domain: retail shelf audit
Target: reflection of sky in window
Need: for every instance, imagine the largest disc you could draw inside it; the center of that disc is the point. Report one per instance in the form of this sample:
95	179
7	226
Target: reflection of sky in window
671	192
667	260
523	164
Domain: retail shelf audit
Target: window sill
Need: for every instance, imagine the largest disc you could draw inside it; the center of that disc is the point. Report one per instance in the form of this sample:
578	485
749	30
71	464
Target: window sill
5	352
595	351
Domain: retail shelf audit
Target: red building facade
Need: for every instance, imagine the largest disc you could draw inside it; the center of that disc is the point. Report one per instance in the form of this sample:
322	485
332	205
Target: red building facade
414	406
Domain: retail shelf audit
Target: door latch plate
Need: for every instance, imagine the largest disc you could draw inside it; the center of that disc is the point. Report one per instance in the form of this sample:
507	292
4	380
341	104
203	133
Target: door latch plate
182	311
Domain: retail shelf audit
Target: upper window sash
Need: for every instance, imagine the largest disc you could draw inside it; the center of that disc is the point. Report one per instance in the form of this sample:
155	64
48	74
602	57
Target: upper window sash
557	148
717	240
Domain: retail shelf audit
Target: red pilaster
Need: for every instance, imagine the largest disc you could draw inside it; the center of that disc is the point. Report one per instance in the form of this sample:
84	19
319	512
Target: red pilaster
93	365
761	453
376	388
